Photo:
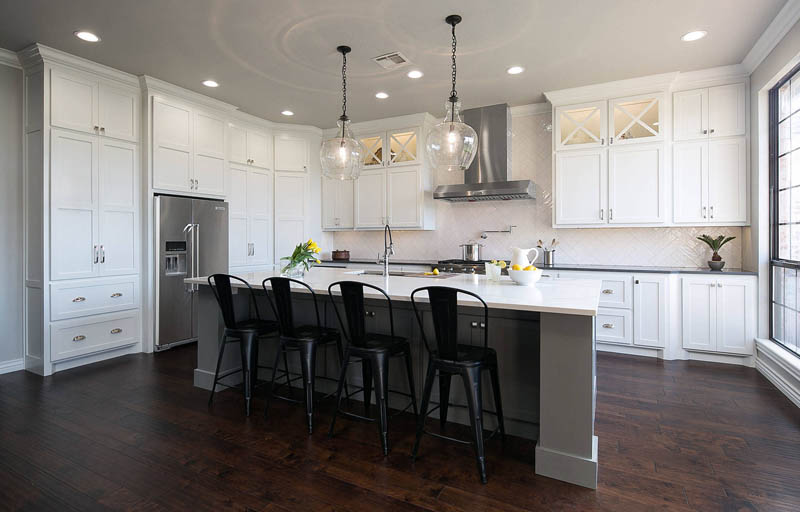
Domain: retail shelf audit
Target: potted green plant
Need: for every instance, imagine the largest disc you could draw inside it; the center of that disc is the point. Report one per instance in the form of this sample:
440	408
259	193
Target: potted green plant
305	255
716	244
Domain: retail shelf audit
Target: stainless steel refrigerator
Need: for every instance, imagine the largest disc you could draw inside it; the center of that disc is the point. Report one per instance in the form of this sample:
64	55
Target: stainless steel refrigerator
191	241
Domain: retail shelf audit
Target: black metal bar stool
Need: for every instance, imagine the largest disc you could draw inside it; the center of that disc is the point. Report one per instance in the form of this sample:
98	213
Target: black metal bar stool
373	351
303	339
449	358
246	332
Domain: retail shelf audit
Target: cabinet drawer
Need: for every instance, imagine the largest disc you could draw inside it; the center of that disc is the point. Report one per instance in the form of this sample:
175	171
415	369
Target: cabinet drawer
614	326
616	290
76	299
74	338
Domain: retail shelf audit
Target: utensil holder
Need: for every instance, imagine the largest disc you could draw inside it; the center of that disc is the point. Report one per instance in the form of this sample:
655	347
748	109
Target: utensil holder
548	258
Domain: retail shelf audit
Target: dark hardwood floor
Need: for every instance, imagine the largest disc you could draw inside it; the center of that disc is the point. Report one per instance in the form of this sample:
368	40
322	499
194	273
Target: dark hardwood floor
133	434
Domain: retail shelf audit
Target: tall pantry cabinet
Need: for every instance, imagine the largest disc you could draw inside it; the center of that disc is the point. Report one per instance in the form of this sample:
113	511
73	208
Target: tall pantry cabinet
81	219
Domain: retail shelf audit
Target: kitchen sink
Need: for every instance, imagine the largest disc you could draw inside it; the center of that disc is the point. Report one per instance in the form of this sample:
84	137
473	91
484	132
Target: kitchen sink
397	273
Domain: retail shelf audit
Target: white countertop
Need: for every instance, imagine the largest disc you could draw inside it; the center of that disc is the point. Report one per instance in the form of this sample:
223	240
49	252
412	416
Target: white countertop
569	297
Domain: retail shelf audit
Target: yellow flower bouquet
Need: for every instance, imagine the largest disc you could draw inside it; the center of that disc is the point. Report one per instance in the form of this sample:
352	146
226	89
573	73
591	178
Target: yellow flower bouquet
304	257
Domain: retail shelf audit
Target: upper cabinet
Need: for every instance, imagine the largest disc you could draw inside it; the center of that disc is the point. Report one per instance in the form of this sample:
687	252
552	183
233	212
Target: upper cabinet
709	113
635	119
337	204
291	153
391	148
209	153
581	126
88	104
249	147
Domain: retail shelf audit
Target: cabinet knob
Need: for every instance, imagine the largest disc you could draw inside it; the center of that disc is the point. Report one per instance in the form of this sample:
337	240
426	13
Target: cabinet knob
96	128
636	282
116	295
116	330
705	132
473	324
483	325
712	130
719	285
103	129
79	337
79	299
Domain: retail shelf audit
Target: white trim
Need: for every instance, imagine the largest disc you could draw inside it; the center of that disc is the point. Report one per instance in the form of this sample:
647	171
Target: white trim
779	367
710	77
9	58
531	109
785	20
38	53
567	467
154	86
12	365
616	89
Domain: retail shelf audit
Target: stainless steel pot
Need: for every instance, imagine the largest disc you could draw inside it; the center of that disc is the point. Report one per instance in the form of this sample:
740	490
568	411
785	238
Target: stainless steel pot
471	251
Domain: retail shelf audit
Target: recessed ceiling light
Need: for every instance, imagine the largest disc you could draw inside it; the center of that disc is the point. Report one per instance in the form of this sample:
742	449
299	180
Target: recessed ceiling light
515	70
287	113
87	36
381	95
210	83
694	35
415	73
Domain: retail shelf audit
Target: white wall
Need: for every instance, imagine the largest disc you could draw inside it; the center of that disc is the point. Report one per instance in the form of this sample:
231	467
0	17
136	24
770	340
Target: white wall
10	215
532	154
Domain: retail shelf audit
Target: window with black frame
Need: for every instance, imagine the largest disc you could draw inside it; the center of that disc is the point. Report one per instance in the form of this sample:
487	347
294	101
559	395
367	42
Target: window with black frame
784	140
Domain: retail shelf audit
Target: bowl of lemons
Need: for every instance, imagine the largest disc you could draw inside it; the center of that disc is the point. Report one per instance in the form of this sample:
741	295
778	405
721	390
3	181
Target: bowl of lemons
524	276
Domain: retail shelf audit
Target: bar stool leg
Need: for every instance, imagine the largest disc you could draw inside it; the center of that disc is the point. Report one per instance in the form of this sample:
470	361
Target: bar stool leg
380	364
216	372
308	360
498	403
423	412
281	351
366	382
472	383
444	397
246	347
339	387
410	375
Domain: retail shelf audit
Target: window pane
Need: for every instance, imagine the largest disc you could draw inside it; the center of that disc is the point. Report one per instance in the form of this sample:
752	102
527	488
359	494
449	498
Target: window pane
784	102
790	288
784	136
783	242
784	171
777	322
784	201
795	93
795	208
789	327
795	130
777	284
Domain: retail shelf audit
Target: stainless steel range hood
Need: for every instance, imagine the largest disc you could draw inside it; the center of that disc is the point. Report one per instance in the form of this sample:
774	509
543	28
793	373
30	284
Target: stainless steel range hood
487	177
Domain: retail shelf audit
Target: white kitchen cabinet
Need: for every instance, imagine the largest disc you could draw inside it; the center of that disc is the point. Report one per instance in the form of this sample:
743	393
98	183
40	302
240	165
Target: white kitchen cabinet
635	119
710	112
291	153
397	147
650	310
209	154
719	314
374	144
291	212
370	203
82	102
710	182
404	197
337	204
248	146
172	146
614	326
93	206
250	218
581	126
580	187
636	185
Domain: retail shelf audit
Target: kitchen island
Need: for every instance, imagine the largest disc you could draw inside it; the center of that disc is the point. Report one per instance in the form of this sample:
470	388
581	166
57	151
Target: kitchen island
544	336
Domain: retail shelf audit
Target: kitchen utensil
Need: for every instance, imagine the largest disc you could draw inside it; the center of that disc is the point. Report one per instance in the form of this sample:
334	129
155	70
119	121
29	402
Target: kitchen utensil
340	255
520	256
525	277
548	257
471	251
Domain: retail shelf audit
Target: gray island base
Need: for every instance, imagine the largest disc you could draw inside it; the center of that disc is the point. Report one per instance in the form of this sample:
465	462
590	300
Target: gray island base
544	337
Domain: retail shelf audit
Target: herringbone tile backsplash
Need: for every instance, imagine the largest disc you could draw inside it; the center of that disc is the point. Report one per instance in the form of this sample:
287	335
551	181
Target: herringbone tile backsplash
457	223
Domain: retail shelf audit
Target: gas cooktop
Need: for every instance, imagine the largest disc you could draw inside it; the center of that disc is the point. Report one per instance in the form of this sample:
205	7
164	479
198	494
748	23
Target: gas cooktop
463	266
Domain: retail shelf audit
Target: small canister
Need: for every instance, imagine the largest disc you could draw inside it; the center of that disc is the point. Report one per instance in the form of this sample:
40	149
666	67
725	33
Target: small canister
548	258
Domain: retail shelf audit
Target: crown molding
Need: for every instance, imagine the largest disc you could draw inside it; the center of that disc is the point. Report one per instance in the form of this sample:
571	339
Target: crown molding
531	109
406	121
154	86
615	89
38	53
783	22
710	77
9	58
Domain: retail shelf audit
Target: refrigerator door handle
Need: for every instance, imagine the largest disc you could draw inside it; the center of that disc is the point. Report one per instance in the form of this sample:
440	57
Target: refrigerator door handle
196	247
188	229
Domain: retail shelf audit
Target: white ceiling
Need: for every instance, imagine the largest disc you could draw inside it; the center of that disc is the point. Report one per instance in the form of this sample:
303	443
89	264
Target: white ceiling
272	55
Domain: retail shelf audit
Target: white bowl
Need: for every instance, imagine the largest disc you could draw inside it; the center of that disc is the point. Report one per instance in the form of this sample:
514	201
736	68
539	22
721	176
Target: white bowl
525	277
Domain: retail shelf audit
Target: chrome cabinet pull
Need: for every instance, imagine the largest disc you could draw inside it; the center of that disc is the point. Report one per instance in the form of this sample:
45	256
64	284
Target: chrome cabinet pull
96	255
705	132
610	141
483	325
79	337
636	282
103	130
116	330
711	212
79	299
96	128
719	285
712	130
102	254
608	291
704	212
370	314
610	214
473	324
608	326
603	142
116	295
601	214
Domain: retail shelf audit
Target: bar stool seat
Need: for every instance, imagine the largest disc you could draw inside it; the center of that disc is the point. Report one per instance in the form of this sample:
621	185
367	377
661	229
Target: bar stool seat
383	343
469	355
261	327
312	332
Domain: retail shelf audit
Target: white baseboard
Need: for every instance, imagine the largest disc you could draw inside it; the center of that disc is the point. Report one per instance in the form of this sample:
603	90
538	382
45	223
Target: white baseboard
629	350
780	368
12	365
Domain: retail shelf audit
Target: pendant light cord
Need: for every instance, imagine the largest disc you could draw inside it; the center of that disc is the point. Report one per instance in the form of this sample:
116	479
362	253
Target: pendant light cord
453	93
344	91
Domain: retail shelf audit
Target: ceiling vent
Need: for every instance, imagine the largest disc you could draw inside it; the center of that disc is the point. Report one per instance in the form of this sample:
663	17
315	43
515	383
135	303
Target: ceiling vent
392	60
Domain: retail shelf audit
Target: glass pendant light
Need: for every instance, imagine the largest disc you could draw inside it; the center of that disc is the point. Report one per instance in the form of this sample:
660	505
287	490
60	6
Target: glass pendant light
452	144
341	155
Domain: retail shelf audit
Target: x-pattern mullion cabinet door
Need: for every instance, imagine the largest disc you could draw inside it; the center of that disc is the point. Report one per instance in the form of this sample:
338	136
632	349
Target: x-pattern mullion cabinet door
374	150
581	126
403	147
74	208
118	207
635	119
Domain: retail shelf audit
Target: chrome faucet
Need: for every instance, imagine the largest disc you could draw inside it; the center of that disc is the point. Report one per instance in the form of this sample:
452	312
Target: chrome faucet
388	249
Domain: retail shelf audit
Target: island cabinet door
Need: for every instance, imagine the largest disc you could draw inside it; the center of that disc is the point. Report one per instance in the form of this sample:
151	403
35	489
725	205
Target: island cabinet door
650	310
581	187
699	313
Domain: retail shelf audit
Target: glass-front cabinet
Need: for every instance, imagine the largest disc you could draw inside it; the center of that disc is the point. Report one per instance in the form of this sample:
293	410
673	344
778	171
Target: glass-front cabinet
635	119
581	126
402	145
